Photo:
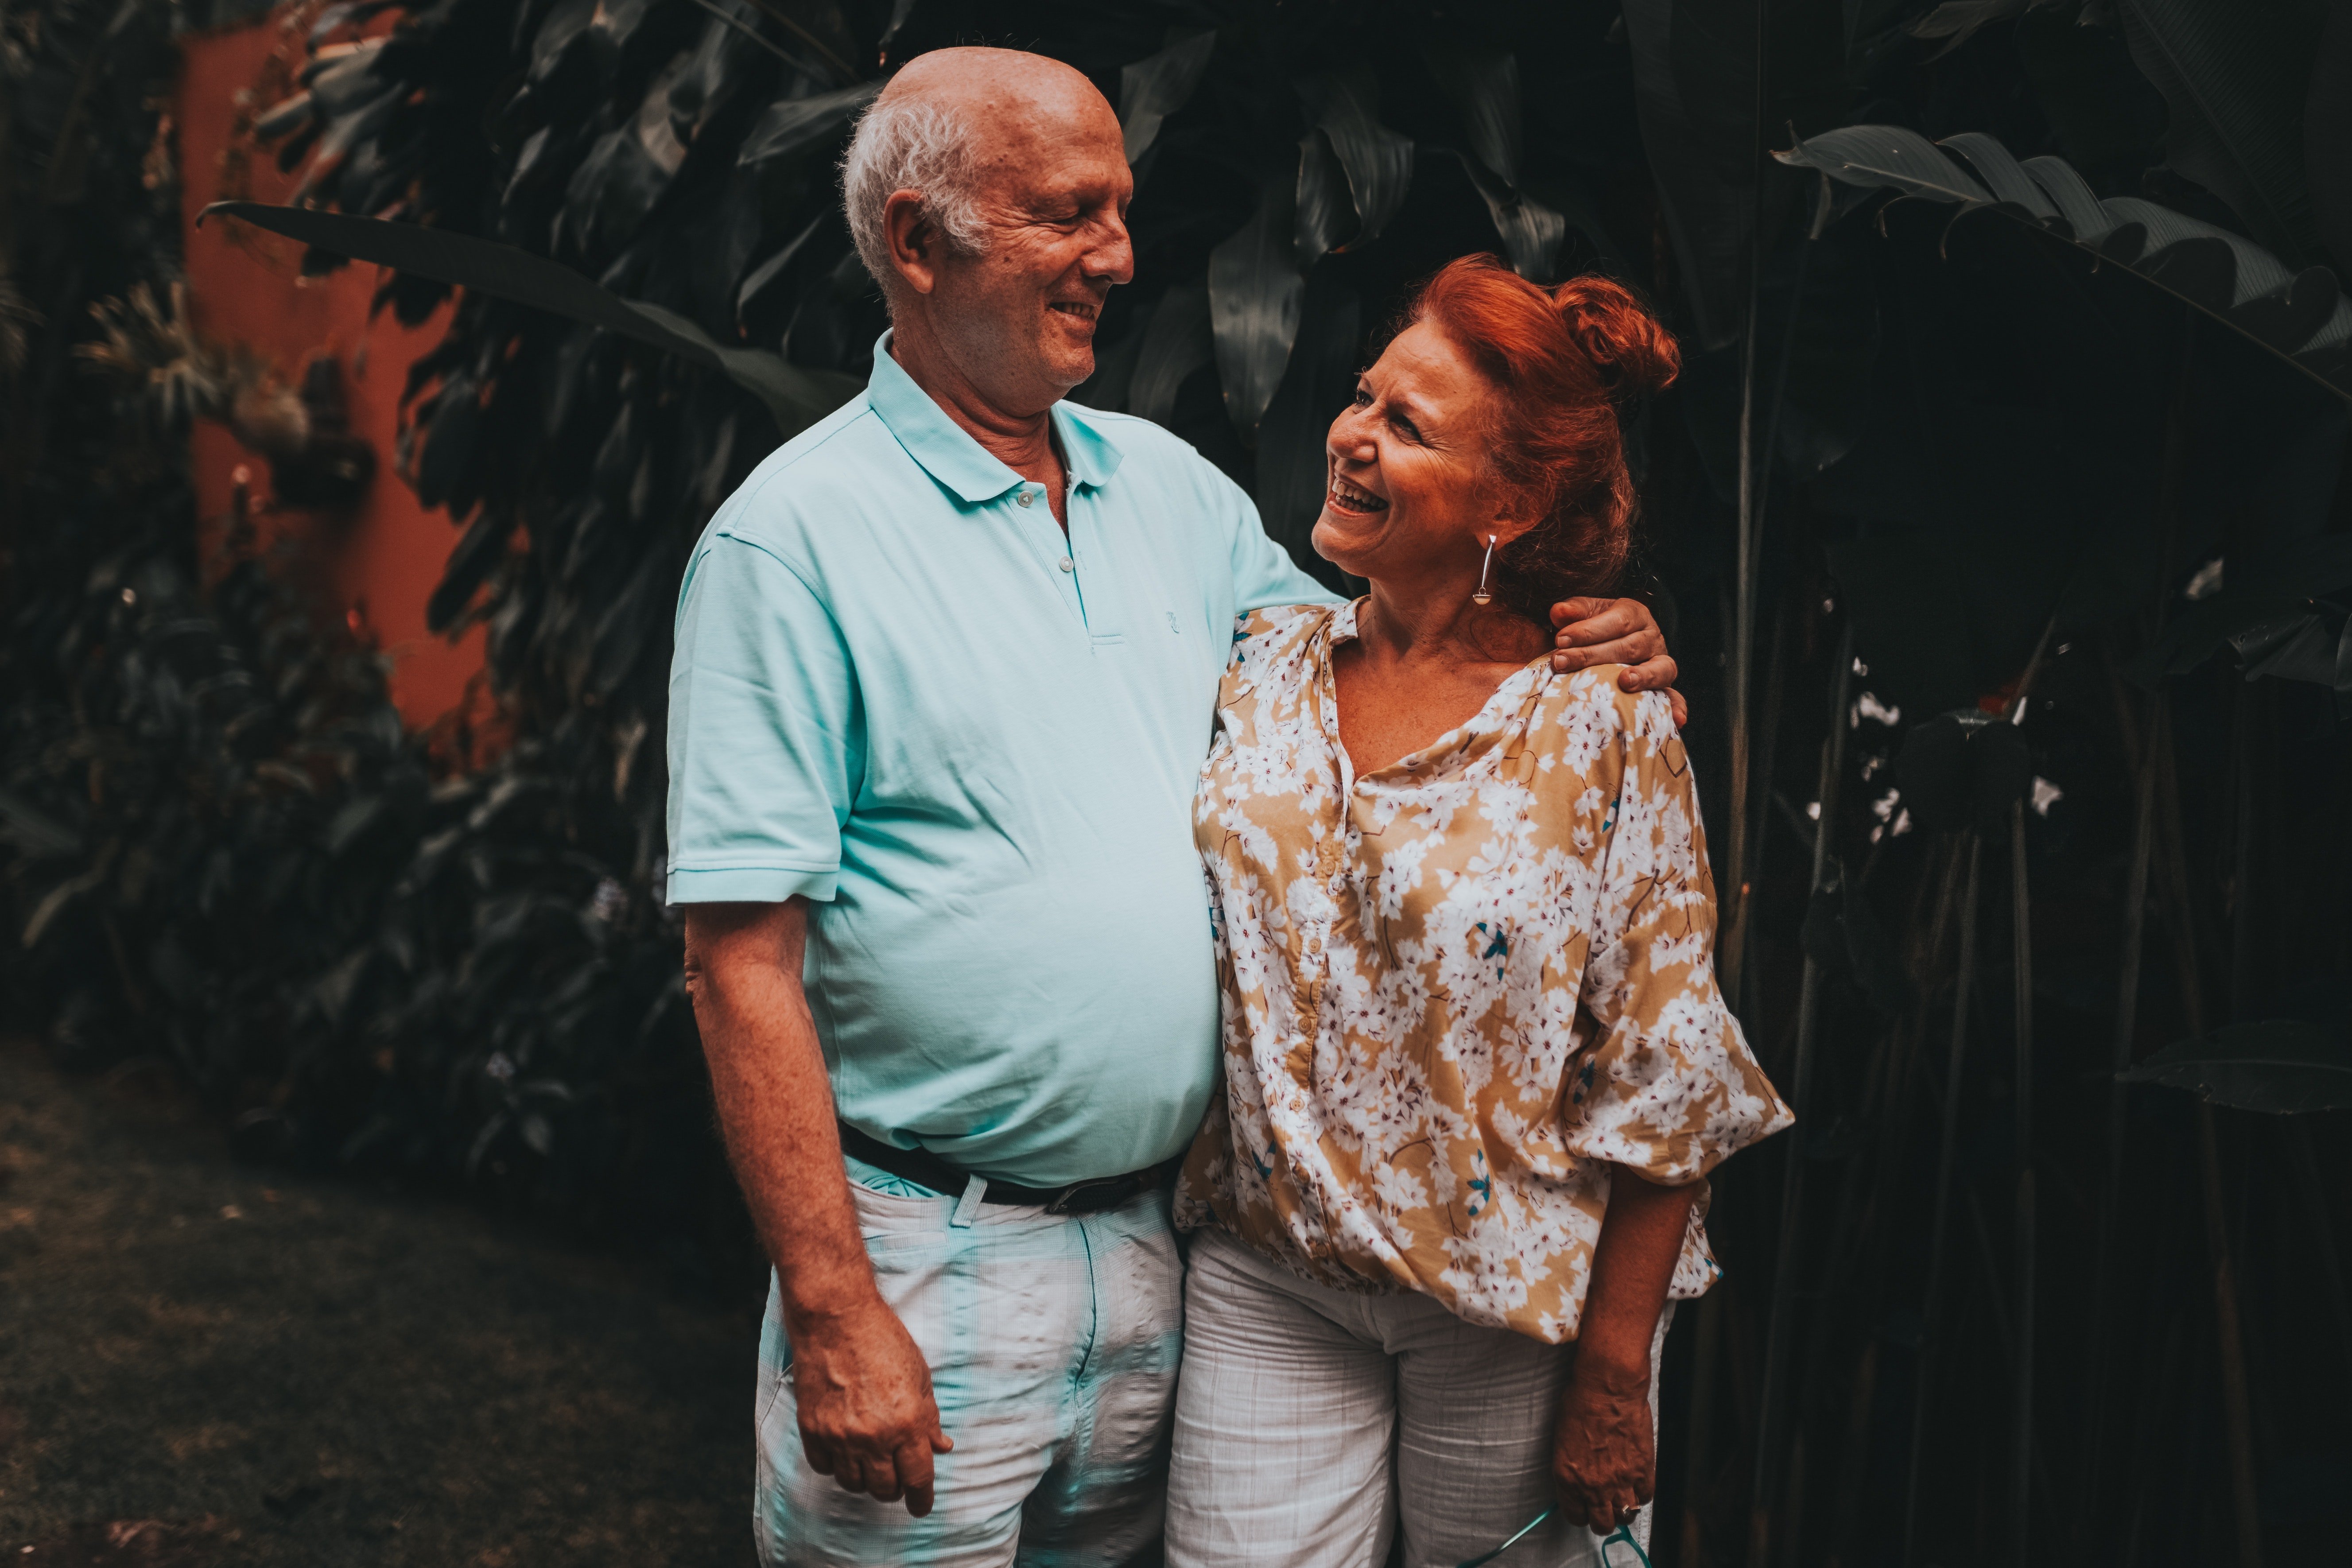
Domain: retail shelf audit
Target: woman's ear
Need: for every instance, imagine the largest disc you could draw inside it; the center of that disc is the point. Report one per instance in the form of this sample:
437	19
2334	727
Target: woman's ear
1506	528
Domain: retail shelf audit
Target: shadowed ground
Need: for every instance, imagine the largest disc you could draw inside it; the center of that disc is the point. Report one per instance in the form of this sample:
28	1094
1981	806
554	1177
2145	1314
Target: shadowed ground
202	1364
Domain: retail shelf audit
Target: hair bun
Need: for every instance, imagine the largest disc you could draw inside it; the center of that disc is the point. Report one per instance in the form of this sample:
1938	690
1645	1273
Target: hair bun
1618	334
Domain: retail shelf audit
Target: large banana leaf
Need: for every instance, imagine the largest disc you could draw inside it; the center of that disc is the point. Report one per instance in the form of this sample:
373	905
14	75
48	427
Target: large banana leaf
2265	612
1956	21
1153	89
795	397
1256	289
1176	342
1377	161
1291	468
1484	87
1694	90
1324	214
2278	1065
2300	317
2233	73
2328	134
792	126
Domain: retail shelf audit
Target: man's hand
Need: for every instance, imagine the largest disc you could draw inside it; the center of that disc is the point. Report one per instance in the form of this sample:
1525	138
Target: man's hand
1617	631
863	1391
866	1415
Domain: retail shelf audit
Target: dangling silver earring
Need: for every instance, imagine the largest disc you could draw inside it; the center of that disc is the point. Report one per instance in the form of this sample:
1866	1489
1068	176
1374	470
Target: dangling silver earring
1482	596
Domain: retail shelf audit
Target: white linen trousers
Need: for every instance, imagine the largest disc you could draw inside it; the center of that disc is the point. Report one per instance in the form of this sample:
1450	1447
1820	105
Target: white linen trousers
1313	1423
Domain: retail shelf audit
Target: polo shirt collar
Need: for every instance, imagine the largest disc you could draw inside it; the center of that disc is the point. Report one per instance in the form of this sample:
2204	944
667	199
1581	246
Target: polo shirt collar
949	455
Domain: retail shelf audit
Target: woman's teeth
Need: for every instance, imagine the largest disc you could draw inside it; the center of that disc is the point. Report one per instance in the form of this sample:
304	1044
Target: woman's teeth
1349	497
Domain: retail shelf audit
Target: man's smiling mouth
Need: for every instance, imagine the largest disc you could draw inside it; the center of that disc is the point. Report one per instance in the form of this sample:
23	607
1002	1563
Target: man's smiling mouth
1349	498
1084	312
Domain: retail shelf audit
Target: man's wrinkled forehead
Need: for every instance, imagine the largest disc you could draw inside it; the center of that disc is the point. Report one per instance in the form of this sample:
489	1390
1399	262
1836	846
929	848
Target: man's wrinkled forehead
1037	125
1004	95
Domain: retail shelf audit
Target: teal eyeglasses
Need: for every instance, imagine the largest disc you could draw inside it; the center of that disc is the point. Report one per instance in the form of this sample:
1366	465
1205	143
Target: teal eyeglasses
1622	1535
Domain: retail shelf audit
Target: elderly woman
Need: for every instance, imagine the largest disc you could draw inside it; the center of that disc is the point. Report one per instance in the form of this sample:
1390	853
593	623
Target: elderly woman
1477	1066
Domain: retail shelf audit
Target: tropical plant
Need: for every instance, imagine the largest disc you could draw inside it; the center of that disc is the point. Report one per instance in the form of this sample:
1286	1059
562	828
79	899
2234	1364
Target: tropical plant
2000	523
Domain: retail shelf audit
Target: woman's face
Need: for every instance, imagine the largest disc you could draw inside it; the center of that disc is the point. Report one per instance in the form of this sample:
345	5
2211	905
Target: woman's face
1411	495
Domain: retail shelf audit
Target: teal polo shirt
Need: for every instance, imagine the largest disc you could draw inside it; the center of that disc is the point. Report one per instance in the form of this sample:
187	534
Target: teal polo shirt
902	693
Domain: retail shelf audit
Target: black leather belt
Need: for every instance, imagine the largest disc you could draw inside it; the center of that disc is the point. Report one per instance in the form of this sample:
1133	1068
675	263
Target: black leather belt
925	1169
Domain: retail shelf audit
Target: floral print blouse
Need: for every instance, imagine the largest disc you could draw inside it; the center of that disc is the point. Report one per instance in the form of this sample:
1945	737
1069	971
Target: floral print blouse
1459	988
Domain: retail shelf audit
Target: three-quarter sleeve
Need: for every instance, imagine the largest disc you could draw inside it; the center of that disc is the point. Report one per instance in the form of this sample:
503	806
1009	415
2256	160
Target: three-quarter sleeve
766	743
1666	1084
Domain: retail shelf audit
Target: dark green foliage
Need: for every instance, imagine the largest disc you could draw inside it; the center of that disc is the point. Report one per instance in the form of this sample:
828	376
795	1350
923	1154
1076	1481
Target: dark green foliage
1964	771
2277	1064
2014	423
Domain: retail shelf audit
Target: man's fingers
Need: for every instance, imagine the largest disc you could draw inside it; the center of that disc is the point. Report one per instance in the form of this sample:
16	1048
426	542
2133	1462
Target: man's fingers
912	1464
1640	652
1568	611
880	1479
1682	709
1609	623
1655	673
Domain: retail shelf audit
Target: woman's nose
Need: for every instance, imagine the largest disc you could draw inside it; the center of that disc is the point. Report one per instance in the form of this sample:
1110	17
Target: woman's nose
1349	441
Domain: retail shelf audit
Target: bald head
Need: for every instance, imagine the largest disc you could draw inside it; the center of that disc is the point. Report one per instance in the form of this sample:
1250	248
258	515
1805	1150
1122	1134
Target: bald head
989	83
954	125
987	191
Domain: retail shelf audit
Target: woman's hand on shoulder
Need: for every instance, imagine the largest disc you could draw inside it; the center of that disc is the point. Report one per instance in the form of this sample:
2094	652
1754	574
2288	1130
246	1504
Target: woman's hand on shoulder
1617	631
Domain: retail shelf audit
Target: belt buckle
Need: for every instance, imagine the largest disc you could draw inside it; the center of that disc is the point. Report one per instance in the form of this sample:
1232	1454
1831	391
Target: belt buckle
1063	1199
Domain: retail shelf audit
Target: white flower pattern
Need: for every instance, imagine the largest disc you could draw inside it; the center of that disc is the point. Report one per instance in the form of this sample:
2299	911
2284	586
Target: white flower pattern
1457	989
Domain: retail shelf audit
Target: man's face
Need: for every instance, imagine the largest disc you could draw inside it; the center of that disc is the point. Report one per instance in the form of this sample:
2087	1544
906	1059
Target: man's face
1019	317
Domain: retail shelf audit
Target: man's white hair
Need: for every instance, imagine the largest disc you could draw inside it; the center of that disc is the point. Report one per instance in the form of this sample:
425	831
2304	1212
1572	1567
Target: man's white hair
909	146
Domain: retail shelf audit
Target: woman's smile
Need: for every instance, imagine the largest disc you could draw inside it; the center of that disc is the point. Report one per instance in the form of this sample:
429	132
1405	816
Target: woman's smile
1353	500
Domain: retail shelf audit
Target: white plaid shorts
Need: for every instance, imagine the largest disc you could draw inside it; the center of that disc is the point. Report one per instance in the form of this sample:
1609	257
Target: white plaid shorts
1052	1342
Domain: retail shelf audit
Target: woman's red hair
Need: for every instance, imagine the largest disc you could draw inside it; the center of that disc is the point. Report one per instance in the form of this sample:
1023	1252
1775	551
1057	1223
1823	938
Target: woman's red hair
1561	361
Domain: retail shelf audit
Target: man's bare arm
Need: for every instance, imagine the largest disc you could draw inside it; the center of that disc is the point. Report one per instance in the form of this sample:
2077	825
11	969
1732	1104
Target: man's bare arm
867	1418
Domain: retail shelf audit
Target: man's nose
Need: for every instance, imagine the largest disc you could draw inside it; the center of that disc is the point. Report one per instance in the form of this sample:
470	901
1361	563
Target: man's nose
1112	256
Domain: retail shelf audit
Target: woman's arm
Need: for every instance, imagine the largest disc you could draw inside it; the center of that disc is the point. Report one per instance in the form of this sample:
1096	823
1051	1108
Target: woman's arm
1605	1450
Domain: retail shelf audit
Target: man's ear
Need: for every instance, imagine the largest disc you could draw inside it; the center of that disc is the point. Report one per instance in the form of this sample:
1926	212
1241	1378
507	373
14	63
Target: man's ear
913	240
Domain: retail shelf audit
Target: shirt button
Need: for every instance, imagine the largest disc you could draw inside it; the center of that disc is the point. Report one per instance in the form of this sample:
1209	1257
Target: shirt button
1066	564
1026	497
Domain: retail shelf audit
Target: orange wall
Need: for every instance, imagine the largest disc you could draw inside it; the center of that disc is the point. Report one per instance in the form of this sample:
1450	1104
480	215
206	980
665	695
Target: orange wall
375	566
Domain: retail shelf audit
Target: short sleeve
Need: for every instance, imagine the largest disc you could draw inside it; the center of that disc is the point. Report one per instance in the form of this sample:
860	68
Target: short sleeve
1667	1085
1263	573
766	739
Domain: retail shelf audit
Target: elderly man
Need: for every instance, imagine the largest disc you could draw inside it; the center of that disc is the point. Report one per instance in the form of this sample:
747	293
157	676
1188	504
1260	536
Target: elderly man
945	672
